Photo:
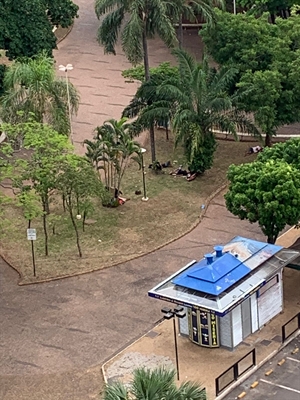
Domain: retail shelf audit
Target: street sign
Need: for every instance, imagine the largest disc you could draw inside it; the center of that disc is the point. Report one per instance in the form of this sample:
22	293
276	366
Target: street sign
31	234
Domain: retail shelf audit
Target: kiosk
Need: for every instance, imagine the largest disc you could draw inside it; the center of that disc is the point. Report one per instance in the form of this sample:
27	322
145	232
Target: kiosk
230	293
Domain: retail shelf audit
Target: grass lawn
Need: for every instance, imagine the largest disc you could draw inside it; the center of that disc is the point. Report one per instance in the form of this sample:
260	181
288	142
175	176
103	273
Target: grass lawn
120	234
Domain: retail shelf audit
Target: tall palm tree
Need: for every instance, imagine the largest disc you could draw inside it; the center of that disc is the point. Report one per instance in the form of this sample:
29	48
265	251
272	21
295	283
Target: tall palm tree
153	385
31	87
145	19
197	103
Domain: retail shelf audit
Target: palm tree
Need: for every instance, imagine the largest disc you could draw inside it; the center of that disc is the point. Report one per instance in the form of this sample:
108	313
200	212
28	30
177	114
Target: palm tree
145	18
153	385
32	88
197	103
111	151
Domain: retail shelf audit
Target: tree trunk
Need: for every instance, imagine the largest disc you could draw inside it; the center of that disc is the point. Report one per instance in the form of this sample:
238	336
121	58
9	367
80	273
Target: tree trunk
146	56
83	220
77	204
47	207
167	133
271	239
45	225
273	18
180	33
147	78
268	140
64	202
69	202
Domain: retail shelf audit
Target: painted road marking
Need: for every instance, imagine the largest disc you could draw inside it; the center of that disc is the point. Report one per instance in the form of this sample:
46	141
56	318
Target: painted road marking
280	386
293	359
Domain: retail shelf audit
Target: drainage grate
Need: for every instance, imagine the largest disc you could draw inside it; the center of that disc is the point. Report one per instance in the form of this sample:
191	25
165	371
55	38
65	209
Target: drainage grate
277	338
152	334
265	342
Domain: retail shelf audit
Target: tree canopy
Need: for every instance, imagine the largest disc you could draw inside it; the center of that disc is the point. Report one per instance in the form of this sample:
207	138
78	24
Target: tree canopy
196	101
267	193
267	57
26	27
288	151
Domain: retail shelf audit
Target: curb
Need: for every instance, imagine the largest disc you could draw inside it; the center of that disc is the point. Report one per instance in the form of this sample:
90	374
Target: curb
201	216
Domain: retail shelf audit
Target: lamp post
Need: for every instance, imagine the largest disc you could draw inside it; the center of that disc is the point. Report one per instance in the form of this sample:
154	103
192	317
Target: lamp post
67	68
171	314
144	198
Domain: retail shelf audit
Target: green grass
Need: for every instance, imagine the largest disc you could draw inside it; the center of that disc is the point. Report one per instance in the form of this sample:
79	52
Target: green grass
127	231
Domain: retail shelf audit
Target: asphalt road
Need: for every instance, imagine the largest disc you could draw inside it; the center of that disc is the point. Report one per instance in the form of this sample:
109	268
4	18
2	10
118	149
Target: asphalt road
282	384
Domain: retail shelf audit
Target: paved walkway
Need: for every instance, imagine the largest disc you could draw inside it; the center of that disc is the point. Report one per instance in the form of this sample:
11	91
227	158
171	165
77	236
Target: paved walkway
55	336
52	329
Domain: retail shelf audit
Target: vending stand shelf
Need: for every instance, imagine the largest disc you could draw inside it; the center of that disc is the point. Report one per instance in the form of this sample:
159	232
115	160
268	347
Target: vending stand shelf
230	293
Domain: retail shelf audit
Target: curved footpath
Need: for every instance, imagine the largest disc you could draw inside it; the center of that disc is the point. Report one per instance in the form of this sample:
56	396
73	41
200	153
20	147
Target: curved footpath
55	336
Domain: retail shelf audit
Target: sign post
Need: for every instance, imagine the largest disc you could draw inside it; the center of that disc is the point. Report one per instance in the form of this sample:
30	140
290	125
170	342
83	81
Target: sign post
31	235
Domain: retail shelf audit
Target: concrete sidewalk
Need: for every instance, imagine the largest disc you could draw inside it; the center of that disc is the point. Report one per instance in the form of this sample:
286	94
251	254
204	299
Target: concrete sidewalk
201	364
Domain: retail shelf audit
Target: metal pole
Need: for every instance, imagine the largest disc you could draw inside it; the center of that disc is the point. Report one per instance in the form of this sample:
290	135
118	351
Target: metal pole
33	257
234	7
176	349
145	198
69	106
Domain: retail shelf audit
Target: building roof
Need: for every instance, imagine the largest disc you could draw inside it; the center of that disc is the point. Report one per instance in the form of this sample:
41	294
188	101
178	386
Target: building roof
219	283
217	272
213	278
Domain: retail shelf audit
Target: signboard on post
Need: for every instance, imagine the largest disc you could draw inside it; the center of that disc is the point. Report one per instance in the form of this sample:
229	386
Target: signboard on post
31	234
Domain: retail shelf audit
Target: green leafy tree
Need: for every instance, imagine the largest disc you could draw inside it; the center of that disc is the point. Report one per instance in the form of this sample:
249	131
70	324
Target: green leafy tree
40	170
61	12
288	151
146	18
78	183
242	41
267	193
28	201
32	88
268	61
26	27
152	385
197	104
275	8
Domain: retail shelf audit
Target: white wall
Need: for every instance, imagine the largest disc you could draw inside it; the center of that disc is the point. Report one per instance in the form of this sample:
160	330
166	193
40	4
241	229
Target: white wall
254	312
270	303
237	332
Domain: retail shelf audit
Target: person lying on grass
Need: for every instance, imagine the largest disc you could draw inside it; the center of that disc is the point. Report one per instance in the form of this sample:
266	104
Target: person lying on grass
253	150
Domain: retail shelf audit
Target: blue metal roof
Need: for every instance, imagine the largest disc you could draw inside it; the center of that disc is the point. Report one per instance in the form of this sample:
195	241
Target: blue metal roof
213	278
214	275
